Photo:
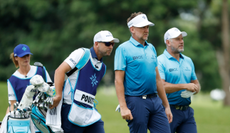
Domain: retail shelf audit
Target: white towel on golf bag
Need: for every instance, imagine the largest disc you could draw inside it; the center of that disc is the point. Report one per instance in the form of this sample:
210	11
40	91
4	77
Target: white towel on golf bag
53	118
187	94
4	124
3	128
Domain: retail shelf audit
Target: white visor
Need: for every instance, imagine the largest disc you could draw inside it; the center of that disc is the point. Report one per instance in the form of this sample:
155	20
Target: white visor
140	21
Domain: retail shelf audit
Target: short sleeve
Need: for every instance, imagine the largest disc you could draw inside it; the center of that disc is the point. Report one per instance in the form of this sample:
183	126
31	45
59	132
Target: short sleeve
11	94
120	59
155	52
161	68
74	57
193	77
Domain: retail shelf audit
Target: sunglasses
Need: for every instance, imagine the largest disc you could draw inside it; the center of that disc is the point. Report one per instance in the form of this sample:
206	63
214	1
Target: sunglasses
108	43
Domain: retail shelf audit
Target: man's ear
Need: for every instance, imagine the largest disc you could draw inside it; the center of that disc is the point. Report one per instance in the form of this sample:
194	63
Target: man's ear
131	29
167	42
96	44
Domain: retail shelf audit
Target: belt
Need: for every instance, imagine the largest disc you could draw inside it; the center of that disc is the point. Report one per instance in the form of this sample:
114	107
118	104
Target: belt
149	96
179	107
145	96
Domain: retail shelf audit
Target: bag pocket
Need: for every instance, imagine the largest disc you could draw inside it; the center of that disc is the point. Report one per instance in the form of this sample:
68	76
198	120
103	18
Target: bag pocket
82	116
18	125
39	120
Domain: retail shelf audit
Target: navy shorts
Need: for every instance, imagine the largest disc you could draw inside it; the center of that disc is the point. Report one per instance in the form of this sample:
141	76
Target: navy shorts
68	127
147	113
183	121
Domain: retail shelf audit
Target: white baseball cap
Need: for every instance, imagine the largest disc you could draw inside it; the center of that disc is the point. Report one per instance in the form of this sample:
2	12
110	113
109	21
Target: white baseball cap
140	20
104	36
173	33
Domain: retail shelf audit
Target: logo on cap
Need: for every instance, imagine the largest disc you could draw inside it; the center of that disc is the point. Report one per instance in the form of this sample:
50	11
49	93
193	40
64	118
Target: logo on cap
24	48
167	36
176	30
143	17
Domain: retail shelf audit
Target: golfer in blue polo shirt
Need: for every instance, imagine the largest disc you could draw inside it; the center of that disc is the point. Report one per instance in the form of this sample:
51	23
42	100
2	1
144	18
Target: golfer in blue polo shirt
138	84
178	75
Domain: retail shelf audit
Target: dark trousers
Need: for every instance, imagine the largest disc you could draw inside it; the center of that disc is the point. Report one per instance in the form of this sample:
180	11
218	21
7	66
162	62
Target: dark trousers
68	127
148	113
183	121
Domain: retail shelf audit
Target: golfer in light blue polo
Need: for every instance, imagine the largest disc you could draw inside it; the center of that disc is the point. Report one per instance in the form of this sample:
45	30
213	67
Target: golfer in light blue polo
138	84
178	75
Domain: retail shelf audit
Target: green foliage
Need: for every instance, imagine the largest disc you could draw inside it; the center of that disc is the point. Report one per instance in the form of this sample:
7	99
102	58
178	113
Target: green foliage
54	28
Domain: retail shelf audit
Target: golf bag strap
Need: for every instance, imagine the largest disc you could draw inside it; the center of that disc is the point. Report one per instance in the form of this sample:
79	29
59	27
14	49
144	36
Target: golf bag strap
82	62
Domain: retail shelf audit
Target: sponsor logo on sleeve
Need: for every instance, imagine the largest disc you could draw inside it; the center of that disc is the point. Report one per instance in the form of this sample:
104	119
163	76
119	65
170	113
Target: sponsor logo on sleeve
73	61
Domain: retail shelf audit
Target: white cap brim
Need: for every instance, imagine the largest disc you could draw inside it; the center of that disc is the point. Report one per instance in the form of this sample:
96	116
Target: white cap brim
111	39
140	20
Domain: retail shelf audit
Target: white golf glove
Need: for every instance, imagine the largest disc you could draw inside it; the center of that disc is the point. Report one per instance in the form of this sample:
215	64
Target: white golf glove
186	94
118	108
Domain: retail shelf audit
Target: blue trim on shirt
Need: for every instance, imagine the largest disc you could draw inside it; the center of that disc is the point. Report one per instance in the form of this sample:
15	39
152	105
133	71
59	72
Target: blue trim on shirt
136	43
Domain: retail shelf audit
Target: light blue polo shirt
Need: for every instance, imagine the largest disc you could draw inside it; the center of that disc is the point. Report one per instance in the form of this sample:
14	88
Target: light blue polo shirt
175	72
139	63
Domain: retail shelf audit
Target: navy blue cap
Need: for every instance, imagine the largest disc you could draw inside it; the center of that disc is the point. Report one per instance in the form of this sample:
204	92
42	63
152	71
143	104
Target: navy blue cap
21	50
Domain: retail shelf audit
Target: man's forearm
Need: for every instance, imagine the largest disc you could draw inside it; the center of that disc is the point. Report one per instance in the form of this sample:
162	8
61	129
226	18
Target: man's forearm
120	94
162	95
170	88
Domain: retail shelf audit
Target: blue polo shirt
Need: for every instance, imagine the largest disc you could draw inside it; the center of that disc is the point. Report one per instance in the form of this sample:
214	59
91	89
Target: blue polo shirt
175	72
139	63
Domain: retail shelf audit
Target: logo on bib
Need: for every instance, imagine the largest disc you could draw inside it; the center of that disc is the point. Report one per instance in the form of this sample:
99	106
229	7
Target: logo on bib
94	80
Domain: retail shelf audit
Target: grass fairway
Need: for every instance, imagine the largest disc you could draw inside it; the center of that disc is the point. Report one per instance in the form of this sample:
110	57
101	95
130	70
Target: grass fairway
211	116
3	99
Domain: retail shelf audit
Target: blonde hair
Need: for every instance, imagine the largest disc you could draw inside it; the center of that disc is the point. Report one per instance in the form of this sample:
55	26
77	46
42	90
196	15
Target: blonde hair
133	15
13	59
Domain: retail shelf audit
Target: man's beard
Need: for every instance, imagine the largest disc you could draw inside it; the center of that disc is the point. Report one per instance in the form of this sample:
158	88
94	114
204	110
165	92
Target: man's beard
176	50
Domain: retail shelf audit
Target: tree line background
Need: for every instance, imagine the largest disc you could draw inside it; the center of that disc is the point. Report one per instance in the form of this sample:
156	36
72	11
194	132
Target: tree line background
54	28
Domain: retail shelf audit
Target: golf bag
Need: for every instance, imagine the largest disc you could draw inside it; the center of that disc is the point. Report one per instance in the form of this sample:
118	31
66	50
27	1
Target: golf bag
39	110
17	121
